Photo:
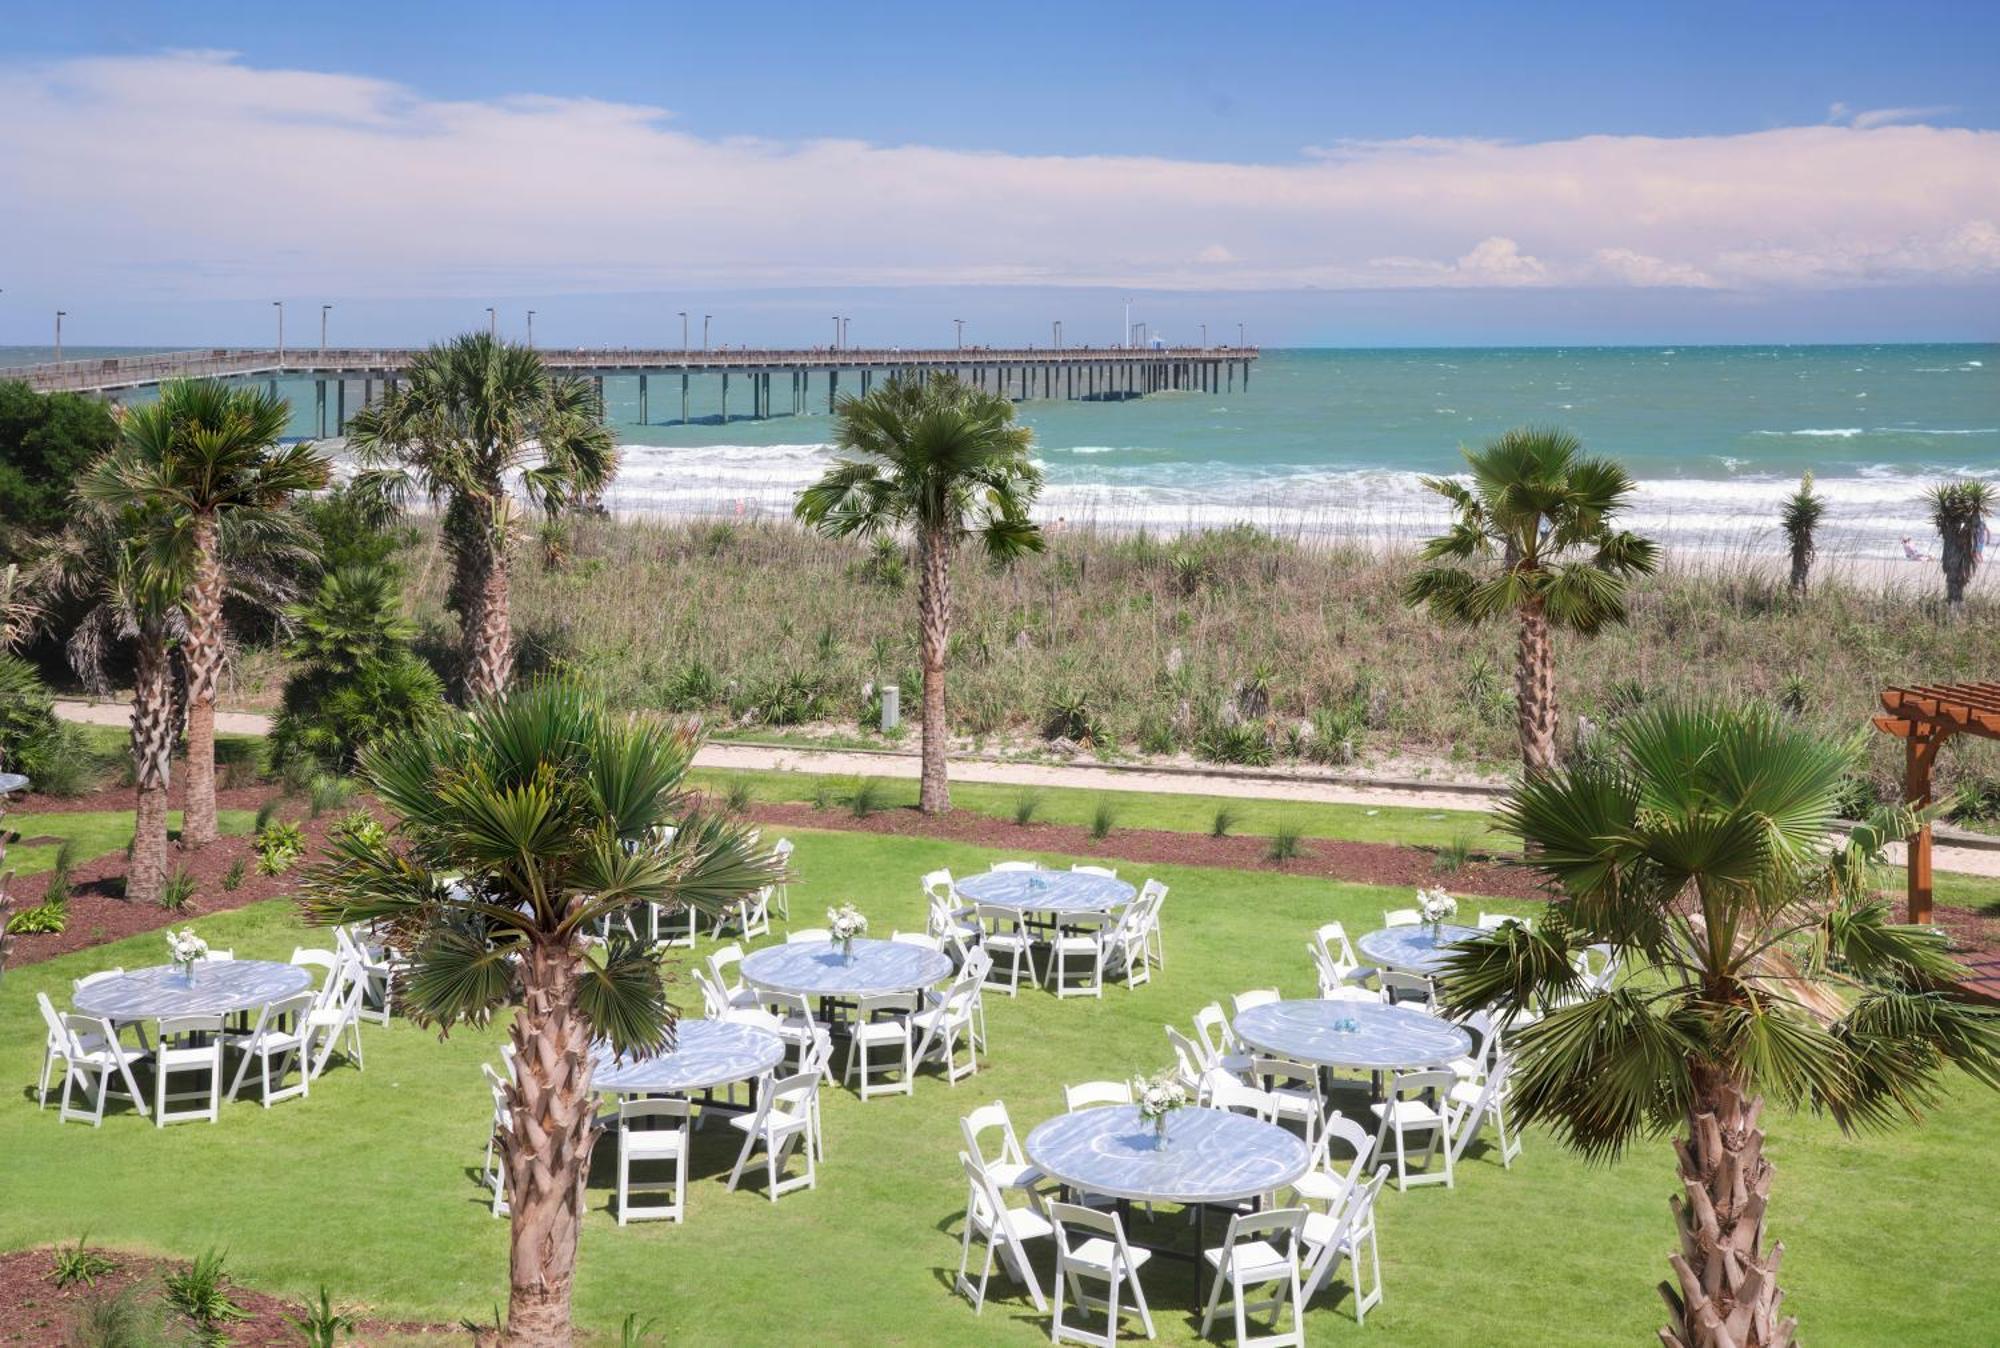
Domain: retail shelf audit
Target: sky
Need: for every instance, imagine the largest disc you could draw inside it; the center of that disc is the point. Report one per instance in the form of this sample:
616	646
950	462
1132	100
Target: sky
1321	174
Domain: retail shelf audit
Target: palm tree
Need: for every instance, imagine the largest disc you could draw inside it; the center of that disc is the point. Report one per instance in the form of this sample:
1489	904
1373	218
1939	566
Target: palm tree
1702	849
127	567
203	453
523	823
1959	510
471	415
946	461
1533	539
1799	518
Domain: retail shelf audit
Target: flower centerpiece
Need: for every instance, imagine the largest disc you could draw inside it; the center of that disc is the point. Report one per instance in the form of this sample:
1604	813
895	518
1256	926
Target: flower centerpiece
844	924
1157	1099
184	948
1437	907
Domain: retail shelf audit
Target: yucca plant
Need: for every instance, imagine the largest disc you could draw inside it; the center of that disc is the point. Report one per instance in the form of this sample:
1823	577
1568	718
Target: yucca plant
1959	510
1799	518
1763	967
1533	541
522	824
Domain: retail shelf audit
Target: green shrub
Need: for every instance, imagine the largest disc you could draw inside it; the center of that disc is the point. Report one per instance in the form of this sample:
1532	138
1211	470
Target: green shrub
44	919
1450	859
1226	818
738	793
866	798
360	825
1026	803
79	1263
1285	843
328	793
132	1318
884	564
359	678
179	890
824	793
279	844
1157	736
1336	735
1068	715
692	686
1243	743
1102	816
266	813
198	1294
61	872
321	1324
232	879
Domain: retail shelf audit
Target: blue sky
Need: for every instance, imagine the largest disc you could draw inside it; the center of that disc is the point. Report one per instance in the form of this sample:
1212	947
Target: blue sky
1333	173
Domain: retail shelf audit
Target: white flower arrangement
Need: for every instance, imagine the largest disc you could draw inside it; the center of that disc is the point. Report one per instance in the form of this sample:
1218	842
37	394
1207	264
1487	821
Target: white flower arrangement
184	947
1158	1096
845	923
1436	905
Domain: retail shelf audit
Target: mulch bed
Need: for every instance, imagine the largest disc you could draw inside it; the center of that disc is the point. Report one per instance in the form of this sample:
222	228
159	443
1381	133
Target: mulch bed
1360	862
98	910
34	1311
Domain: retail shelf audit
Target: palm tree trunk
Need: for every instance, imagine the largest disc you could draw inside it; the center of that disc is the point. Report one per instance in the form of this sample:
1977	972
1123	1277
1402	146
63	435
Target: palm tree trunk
1535	690
1955	556
1727	1294
1802	559
152	748
547	1151
491	657
204	668
934	620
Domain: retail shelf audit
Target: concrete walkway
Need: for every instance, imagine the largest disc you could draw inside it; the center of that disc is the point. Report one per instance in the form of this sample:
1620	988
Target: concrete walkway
724	756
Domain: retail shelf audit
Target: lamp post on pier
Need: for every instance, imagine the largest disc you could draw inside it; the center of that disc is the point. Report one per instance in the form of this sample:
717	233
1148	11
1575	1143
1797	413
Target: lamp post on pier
704	330
959	325
279	305
492	322
324	310
1239	337
843	330
684	330
60	314
1204	336
836	331
1056	329
531	329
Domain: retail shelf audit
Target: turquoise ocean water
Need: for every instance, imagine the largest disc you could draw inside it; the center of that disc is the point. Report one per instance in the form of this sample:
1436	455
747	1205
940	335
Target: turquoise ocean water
1335	441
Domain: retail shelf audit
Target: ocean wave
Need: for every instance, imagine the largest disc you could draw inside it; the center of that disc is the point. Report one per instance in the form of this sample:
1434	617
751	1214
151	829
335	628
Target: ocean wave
1842	433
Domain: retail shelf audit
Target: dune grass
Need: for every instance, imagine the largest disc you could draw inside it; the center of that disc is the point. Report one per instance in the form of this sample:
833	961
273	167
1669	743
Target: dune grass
367	1186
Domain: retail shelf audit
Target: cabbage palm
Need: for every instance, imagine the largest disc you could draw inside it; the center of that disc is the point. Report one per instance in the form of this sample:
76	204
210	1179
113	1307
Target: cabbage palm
1533	540
946	461
1761	965
1959	510
203	453
523	823
1800	517
470	418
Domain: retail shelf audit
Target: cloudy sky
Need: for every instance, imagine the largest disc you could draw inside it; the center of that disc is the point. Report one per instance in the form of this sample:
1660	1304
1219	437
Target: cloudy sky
1480	174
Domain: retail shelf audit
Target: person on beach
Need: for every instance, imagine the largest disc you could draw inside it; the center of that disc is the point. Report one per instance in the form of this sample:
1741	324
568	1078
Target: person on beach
1910	551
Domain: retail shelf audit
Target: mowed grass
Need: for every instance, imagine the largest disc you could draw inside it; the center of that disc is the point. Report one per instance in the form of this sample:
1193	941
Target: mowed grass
94	833
367	1186
1141	809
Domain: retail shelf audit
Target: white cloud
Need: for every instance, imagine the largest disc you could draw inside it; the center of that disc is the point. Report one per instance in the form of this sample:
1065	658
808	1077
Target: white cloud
194	174
1871	118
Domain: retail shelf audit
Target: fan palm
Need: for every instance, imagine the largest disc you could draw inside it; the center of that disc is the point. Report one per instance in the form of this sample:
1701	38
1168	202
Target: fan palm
1800	517
523	823
201	453
471	416
1959	510
946	461
1533	539
1761	962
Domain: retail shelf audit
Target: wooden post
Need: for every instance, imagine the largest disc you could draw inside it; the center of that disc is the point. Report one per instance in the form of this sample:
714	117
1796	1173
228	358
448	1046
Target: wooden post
1920	755
643	419
684	397
725	397
319	405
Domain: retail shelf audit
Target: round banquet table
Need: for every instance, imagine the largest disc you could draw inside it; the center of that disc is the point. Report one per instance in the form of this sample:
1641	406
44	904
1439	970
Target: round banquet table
10	782
1387	1038
1211	1156
1046	891
707	1054
220	988
1412	949
817	969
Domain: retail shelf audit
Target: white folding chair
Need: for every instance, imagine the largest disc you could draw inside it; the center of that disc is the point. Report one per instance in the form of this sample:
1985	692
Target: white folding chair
1402	917
1006	937
493	1170
940	1025
281	1035
92	1059
336	1011
1495	921
1124	949
879	1041
1189	1060
1079	943
723	964
1295	1088
1400	989
1335	1188
187	1046
55	1045
781	893
379	971
1005	866
1473	1103
650	1133
77	985
807	935
1330	1237
1099	1255
1332	939
1108	872
922	939
783	1121
1009	1169
1154	895
1220	1090
1243	1001
1261	1250
810	1041
1409	1113
750	915
1003	1230
1091	1094
1218	1041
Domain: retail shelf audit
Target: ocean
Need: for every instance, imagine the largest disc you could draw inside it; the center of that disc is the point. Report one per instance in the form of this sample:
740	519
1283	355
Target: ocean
1335	442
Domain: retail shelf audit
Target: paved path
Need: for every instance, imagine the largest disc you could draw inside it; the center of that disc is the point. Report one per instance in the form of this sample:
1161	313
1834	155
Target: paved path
725	756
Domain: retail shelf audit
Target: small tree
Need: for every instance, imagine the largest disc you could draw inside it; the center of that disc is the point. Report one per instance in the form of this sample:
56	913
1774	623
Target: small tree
1533	541
472	420
1959	510
1702	849
522	824
946	461
358	678
1800	517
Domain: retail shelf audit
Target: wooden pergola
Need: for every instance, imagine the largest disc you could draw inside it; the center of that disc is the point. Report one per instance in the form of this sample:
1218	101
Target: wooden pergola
1924	717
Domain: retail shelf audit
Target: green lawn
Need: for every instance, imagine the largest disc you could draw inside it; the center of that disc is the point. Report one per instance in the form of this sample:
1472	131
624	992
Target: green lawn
1144	809
367	1185
95	833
